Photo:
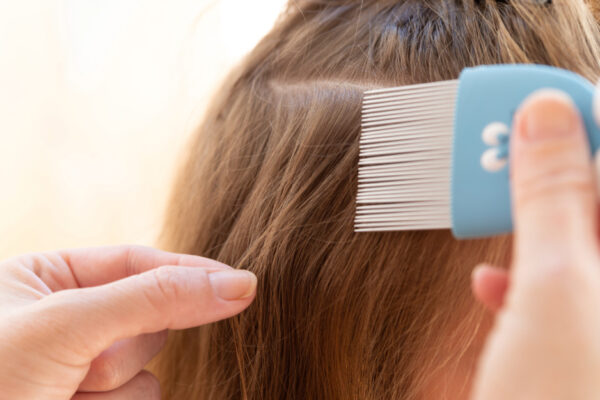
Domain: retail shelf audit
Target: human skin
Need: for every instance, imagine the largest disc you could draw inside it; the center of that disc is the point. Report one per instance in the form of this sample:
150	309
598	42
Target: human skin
82	324
544	344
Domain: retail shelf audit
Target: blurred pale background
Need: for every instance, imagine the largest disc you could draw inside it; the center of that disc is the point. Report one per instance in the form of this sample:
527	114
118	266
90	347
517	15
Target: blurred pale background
97	100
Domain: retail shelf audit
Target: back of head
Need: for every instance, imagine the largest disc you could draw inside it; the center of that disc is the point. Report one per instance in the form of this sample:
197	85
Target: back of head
270	182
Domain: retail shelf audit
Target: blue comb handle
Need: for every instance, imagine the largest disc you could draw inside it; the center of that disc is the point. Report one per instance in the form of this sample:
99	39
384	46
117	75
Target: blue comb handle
488	97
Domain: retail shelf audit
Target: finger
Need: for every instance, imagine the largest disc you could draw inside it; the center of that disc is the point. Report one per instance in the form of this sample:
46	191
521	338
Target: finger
552	182
121	362
489	285
100	265
144	386
164	298
597	104
597	173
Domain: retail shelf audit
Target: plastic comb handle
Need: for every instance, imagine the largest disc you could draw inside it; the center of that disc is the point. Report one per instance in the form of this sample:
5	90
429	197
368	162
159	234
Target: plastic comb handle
488	98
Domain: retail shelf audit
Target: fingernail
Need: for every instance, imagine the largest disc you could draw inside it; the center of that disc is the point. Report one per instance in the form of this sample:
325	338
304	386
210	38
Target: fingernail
548	114
476	273
233	284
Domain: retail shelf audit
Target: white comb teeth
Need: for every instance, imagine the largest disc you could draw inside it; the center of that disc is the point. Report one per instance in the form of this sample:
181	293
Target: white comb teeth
405	158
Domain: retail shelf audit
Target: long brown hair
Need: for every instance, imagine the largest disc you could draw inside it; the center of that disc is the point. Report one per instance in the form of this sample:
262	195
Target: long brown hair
269	185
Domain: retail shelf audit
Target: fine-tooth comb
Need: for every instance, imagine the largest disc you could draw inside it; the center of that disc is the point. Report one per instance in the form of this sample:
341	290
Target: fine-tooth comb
435	155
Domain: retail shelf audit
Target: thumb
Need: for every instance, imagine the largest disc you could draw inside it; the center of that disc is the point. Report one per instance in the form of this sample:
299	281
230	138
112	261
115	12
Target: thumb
90	320
554	197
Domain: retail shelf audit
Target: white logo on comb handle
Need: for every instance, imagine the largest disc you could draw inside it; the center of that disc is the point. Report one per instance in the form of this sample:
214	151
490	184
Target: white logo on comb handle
496	136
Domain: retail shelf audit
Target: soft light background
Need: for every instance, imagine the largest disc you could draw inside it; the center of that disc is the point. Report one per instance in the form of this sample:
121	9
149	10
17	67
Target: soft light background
97	99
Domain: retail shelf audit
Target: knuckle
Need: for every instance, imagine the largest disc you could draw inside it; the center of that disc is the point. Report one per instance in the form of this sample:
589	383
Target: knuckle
168	284
575	179
132	258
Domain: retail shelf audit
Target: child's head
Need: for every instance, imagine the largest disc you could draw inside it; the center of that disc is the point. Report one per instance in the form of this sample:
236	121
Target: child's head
270	184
